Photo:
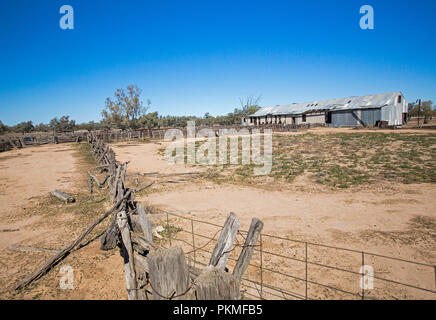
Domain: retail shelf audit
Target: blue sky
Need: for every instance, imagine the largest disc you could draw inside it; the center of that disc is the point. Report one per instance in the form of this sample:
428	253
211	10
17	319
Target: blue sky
193	57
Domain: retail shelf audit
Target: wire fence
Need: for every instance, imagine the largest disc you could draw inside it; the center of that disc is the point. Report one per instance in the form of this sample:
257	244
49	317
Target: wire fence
283	268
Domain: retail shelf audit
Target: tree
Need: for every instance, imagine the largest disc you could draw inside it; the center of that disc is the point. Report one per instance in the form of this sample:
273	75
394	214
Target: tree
149	120
63	124
41	127
3	128
91	125
425	110
125	109
250	105
23	127
112	116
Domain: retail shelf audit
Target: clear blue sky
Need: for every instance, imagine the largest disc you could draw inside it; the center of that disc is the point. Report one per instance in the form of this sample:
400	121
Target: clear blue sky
192	57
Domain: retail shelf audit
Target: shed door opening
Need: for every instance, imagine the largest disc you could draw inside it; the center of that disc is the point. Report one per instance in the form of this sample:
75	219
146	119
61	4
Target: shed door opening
328	117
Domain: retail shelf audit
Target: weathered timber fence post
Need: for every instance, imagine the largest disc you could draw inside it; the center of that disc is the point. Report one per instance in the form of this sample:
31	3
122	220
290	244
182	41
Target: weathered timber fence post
225	241
248	248
168	273
165	271
127	253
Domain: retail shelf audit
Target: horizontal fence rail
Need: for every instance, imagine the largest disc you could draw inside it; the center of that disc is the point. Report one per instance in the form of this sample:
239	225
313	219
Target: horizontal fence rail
257	284
159	133
17	141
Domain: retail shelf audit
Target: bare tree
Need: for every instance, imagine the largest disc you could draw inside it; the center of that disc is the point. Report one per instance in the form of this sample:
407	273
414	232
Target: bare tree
250	104
250	101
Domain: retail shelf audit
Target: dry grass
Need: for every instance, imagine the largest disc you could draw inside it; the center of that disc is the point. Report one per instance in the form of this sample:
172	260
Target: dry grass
342	160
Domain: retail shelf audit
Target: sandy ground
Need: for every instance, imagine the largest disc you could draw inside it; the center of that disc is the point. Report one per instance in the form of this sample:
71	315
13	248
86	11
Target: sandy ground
394	220
26	175
33	172
146	158
31	218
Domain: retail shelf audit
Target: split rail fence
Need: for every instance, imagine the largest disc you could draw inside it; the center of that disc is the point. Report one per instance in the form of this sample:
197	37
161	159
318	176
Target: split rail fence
17	141
159	133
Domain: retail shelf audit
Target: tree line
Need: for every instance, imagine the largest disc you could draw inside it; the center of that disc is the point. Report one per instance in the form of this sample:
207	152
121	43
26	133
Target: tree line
126	110
426	110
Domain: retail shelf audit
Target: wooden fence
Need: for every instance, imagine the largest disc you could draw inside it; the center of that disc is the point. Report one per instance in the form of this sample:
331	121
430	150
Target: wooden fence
152	271
155	272
17	141
159	133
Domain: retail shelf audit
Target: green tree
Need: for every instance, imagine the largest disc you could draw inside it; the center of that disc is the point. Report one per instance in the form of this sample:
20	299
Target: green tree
425	110
63	124
3	128
149	120
23	127
42	127
125	109
91	125
249	105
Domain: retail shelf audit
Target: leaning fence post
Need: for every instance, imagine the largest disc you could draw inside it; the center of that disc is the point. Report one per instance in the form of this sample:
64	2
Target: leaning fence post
222	249
261	267
248	248
127	252
363	275
434	267
306	266
193	241
169	229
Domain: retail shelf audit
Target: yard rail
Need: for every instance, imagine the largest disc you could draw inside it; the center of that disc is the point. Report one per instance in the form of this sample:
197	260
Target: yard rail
259	287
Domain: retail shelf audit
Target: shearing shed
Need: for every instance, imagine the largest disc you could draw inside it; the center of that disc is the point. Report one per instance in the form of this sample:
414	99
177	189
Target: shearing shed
386	109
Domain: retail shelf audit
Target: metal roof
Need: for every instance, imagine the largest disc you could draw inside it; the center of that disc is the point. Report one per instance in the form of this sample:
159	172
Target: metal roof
351	103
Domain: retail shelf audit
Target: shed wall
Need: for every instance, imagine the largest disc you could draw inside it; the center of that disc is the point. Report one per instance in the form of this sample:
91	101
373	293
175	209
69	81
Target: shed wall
370	116
343	119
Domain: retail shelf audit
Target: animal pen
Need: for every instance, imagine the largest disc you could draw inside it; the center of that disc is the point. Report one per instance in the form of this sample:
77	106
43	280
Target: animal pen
152	271
284	268
196	259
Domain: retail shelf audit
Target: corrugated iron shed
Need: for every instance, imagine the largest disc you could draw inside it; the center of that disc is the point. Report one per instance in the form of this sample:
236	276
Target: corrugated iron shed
351	103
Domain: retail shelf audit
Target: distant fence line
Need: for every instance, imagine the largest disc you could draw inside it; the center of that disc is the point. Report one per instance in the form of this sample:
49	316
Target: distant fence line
159	133
16	141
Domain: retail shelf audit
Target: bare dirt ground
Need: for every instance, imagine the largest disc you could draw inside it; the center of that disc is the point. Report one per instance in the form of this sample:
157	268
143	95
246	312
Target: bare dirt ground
386	218
392	219
30	217
26	175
